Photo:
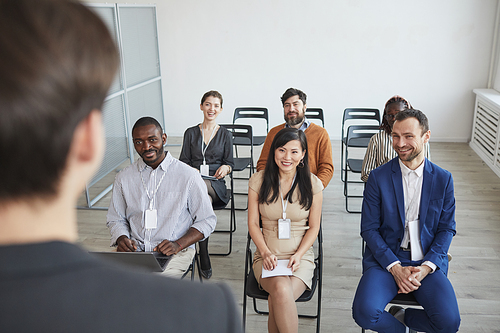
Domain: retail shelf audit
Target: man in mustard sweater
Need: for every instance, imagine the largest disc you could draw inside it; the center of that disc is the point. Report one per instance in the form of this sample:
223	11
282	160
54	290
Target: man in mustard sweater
318	140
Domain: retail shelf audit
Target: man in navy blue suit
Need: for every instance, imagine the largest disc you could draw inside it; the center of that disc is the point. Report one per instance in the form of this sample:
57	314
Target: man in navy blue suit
407	222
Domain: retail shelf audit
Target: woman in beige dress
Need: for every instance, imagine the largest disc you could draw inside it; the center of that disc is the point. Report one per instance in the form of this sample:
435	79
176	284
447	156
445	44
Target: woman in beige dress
287	191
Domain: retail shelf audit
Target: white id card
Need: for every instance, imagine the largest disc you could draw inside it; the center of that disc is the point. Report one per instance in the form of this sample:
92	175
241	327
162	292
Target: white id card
150	219
416	246
204	169
284	226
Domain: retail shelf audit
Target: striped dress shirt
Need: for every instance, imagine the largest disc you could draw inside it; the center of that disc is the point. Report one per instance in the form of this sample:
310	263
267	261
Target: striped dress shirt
380	151
181	202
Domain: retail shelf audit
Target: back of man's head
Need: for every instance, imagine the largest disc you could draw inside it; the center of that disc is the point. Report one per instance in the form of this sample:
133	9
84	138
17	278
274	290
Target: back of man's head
57	62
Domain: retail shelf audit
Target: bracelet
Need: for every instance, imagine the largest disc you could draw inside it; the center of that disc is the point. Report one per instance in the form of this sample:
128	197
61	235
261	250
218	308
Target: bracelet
180	246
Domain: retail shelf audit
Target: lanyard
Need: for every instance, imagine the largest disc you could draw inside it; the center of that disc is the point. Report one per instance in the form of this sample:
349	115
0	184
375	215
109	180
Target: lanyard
284	203
153	192
203	140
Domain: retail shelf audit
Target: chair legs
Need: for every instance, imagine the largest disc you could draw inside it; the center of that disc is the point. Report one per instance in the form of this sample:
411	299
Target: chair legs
251	170
194	263
232	221
342	164
346	192
230	246
230	231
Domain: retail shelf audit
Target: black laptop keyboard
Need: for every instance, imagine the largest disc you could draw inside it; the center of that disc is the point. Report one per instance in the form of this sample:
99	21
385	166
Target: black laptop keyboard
162	262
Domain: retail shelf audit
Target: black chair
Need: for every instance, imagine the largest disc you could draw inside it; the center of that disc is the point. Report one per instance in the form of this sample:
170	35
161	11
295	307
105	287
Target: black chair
356	116
315	113
242	136
252	113
232	217
252	290
358	136
255	113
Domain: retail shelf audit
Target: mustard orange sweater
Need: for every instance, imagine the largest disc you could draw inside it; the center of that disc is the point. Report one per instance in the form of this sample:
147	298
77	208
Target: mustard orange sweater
320	151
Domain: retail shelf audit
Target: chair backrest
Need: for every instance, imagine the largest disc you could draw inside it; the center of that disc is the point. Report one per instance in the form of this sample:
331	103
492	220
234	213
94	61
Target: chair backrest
361	132
315	113
240	131
360	116
252	112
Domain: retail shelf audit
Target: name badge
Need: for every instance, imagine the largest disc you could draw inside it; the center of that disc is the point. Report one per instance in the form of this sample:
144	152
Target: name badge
284	227
204	169
150	219
416	246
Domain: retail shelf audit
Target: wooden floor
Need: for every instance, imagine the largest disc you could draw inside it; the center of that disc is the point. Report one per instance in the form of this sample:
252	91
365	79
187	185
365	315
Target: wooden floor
474	270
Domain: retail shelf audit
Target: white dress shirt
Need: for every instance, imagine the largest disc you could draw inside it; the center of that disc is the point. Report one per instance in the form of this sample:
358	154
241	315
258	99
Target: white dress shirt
412	191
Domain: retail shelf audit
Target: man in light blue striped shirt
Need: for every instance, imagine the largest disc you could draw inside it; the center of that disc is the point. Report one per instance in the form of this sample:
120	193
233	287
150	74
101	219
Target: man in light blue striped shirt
159	203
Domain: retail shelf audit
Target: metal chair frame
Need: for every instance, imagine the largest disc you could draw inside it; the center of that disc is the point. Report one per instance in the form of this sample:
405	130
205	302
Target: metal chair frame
195	262
232	218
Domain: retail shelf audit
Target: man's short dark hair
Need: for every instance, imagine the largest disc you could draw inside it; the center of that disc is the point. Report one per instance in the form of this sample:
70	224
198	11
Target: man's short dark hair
293	92
57	62
145	121
414	113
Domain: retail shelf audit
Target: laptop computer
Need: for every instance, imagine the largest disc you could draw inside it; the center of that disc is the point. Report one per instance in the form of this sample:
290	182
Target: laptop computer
146	261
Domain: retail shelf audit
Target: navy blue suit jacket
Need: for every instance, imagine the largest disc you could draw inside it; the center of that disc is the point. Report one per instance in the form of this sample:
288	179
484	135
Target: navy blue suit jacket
383	215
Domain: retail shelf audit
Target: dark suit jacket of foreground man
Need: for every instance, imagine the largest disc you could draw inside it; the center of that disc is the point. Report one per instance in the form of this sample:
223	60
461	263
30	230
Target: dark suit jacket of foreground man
57	62
58	287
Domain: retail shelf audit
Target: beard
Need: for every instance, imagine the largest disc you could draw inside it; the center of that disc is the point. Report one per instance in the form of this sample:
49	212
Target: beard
159	154
295	120
412	156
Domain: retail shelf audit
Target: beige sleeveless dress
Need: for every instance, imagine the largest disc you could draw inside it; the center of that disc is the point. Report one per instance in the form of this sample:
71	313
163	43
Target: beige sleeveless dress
285	248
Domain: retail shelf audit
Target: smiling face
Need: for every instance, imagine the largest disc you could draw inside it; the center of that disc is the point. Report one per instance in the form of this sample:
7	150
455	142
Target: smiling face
148	142
295	111
408	141
211	108
288	156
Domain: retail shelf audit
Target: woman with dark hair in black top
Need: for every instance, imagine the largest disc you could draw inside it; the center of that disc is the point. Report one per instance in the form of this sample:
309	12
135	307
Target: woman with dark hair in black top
209	148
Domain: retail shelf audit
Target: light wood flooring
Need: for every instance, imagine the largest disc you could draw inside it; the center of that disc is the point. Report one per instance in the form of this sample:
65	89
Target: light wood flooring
474	270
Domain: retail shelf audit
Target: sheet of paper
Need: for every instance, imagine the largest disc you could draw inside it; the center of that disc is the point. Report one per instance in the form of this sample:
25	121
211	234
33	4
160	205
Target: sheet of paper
280	270
416	246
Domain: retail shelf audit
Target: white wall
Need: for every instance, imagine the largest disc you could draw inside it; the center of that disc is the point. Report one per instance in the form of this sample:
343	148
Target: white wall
350	53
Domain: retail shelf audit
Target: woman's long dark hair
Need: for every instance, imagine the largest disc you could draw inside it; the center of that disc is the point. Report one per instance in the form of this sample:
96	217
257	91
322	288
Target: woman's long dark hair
270	188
